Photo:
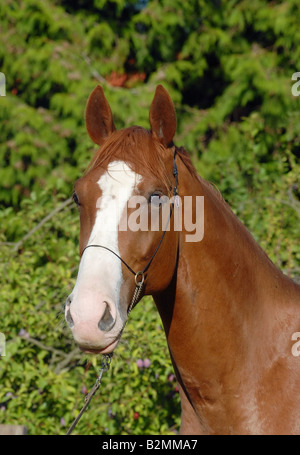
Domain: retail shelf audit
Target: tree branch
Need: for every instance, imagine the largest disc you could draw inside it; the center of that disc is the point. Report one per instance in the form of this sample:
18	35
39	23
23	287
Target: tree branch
65	359
43	346
63	363
41	223
294	203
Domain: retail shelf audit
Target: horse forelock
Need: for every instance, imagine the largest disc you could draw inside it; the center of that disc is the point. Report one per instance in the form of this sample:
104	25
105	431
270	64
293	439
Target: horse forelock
136	147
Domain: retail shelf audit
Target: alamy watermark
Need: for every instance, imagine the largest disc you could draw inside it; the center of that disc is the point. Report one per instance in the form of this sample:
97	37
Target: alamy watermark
296	346
296	87
2	344
183	214
2	84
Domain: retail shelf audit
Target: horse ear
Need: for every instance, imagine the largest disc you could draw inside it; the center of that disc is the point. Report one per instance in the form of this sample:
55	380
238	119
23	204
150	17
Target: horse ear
98	117
162	116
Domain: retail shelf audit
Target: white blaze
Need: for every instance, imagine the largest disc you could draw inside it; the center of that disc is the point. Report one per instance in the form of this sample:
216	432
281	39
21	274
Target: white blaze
100	274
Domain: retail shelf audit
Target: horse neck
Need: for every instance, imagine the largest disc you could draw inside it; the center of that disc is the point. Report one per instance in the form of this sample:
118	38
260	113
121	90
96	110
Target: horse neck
225	291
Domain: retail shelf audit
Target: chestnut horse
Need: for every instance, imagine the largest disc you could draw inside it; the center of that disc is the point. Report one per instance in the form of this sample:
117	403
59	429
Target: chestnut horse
230	316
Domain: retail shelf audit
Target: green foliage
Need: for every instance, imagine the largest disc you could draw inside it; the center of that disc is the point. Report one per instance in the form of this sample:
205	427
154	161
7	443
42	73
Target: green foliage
228	67
43	375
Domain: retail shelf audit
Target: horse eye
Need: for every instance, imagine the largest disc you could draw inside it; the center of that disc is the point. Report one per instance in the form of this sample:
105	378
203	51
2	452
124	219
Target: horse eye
155	199
75	199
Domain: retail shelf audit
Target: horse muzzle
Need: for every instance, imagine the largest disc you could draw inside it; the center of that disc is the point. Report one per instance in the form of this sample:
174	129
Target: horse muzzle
95	323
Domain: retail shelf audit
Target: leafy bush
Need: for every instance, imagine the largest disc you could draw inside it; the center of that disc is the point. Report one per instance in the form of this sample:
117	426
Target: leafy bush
43	375
228	67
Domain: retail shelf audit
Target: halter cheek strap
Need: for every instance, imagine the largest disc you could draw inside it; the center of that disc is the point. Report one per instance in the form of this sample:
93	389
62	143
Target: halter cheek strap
139	277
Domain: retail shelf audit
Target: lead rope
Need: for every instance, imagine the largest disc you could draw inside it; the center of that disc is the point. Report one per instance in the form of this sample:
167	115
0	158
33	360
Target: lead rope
104	367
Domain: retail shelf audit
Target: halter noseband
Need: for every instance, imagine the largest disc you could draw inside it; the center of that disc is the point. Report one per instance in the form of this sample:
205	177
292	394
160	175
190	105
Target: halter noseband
139	277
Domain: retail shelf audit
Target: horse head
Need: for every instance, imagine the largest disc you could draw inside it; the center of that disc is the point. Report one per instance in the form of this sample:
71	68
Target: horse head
129	183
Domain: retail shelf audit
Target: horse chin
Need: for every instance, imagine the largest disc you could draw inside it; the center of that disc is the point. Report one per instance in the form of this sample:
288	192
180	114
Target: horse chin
95	350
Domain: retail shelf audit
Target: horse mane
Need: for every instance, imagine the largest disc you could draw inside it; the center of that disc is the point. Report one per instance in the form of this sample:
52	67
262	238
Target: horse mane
138	149
186	159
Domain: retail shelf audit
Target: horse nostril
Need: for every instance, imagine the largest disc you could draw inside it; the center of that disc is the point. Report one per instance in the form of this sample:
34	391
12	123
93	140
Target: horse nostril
106	322
69	319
